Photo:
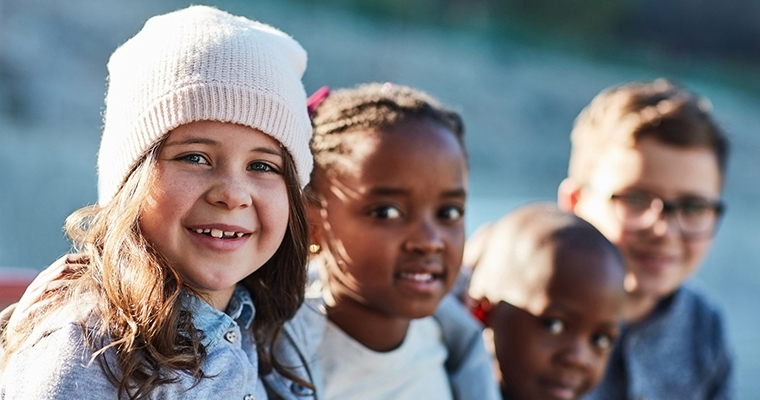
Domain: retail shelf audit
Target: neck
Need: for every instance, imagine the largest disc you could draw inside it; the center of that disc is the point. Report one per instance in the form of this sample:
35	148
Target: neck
218	299
638	306
373	329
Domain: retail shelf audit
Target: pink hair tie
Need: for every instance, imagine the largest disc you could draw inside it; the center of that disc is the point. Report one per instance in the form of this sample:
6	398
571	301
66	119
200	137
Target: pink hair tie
316	99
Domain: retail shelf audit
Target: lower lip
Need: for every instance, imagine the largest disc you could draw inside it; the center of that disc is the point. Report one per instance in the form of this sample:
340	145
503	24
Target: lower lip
217	243
560	392
428	287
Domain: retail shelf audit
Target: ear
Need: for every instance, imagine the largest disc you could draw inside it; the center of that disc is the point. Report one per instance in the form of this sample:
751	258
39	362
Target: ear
568	195
313	215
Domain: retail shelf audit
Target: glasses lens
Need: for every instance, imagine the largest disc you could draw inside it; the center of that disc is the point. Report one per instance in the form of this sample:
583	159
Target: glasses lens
697	218
637	211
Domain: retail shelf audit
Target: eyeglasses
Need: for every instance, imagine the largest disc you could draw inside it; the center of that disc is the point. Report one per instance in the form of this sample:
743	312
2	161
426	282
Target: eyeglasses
696	217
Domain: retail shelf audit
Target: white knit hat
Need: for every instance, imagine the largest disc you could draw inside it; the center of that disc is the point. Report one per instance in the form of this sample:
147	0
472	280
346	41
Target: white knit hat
197	64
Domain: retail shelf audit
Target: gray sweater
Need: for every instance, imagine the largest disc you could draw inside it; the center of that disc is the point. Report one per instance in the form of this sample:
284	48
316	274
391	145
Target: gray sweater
678	352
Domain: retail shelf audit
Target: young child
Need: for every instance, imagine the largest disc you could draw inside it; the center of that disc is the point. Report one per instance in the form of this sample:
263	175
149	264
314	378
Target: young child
194	256
549	287
646	168
388	198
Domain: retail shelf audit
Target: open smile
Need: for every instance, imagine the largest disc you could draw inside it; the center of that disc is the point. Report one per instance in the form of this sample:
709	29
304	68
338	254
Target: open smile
418	276
220	234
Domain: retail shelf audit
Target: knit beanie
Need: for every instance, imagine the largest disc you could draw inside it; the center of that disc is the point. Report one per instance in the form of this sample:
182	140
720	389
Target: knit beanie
200	63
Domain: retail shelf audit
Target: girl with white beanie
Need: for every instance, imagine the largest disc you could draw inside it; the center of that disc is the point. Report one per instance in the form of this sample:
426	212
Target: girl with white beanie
193	259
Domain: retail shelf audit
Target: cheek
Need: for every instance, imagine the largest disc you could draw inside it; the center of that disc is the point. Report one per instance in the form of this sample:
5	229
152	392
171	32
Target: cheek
520	347
695	252
160	213
455	249
273	210
596	371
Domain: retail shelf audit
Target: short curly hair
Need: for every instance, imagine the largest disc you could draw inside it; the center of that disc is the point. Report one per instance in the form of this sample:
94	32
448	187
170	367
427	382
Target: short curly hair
625	114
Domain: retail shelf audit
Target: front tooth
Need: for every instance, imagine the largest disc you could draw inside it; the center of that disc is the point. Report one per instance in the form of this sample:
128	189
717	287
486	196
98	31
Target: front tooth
216	233
229	234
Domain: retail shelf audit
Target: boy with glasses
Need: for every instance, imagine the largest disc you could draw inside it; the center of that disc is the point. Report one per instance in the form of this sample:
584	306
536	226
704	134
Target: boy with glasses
646	168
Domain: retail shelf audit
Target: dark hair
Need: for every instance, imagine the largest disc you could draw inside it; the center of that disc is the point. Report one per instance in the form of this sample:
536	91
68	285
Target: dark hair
627	113
342	118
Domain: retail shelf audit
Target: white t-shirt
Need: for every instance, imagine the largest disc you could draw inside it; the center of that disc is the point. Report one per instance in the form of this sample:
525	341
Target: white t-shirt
414	371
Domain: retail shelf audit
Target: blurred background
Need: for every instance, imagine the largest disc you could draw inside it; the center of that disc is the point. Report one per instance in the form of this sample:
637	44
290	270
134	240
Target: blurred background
519	71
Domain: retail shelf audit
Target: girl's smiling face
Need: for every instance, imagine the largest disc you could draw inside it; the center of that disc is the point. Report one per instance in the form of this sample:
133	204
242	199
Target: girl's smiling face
393	229
218	208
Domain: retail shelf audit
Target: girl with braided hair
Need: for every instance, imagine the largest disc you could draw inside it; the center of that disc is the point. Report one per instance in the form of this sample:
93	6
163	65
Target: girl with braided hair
386	208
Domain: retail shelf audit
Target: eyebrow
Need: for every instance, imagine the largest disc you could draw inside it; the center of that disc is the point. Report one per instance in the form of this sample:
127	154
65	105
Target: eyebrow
390	191
215	143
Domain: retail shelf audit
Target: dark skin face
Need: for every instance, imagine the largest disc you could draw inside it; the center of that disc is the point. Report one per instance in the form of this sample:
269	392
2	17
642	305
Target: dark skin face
556	346
392	234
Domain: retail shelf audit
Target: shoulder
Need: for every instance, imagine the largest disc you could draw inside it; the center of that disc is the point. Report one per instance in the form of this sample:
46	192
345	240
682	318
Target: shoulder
55	363
468	364
307	327
455	320
696	313
681	349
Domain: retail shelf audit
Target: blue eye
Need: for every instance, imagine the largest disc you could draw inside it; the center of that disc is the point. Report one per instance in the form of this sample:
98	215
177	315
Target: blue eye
452	213
261	167
385	212
194	159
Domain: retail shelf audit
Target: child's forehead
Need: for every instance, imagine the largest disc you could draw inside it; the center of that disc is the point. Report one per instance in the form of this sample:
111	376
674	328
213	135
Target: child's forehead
658	165
534	252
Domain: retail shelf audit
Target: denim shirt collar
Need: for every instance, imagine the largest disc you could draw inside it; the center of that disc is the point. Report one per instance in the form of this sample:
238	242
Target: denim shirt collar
214	323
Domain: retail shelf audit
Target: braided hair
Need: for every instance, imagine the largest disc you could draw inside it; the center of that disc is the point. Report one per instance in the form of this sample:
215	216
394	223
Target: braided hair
343	119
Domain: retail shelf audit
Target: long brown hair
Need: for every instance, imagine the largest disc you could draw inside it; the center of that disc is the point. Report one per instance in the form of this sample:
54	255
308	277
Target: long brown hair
137	294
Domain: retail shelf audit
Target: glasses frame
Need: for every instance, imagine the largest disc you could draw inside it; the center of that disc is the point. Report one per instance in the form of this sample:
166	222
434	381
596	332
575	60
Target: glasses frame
674	209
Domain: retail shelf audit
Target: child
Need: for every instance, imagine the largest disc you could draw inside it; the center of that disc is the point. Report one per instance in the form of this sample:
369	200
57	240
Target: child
389	188
646	168
194	256
550	288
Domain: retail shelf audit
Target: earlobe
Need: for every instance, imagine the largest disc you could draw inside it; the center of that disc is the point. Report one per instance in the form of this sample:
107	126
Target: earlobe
315	224
568	195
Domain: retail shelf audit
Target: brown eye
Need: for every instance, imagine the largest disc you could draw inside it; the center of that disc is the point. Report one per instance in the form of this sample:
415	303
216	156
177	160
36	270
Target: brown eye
385	212
602	341
554	326
453	213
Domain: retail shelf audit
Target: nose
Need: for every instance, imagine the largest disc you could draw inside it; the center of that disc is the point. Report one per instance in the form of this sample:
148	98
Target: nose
577	353
425	237
230	190
665	225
